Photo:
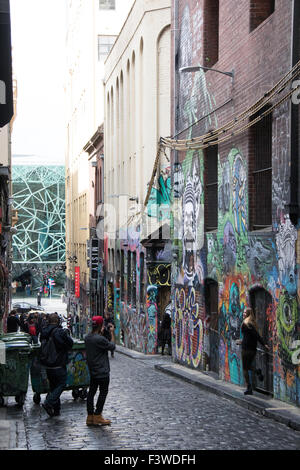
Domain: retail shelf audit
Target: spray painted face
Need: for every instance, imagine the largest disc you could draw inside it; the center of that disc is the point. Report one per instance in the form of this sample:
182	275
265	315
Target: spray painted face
189	230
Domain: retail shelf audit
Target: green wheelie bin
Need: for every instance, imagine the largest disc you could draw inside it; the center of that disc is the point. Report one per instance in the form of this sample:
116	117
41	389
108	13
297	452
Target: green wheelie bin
14	372
18	336
78	378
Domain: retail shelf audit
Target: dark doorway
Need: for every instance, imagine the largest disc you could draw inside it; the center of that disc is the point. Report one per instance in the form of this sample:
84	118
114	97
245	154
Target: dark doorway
212	315
261	301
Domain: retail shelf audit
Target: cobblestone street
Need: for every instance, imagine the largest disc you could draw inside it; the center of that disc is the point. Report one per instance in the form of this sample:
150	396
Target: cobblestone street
149	411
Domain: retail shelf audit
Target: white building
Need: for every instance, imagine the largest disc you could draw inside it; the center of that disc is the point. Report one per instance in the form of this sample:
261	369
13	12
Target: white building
92	28
137	114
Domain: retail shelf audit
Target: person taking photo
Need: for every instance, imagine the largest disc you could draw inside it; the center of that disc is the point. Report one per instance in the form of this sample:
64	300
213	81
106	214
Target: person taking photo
97	347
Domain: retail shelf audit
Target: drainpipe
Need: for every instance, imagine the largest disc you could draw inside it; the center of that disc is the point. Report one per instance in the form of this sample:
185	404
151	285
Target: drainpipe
174	160
294	139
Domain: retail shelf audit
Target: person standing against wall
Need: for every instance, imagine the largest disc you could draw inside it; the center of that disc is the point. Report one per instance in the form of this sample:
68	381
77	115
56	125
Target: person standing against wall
249	344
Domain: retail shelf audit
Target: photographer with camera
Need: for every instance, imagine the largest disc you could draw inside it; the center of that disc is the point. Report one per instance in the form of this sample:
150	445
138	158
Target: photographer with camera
97	347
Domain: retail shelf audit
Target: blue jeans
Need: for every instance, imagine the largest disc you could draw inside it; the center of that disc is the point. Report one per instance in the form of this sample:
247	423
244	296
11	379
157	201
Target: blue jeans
57	381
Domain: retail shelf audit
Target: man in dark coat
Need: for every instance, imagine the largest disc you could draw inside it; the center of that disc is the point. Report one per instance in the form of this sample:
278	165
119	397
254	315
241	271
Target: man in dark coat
13	322
165	333
57	373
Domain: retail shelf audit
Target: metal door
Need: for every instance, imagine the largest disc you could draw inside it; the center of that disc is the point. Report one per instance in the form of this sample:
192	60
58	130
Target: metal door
261	301
211	298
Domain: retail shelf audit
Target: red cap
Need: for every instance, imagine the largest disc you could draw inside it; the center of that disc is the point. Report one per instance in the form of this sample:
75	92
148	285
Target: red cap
97	320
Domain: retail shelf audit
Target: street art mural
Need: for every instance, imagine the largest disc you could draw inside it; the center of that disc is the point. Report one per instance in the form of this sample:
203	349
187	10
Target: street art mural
160	197
152	314
188	327
159	275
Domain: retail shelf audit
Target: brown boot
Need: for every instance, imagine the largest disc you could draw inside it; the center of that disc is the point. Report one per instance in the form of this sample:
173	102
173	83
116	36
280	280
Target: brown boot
90	420
98	419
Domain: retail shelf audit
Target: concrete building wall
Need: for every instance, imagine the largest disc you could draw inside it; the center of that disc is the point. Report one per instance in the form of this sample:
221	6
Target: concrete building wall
84	113
137	100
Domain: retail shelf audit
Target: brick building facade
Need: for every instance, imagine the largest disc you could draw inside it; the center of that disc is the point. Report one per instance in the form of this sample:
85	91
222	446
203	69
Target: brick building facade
235	203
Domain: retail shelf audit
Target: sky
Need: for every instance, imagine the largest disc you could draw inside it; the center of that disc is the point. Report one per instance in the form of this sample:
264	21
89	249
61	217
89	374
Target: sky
38	41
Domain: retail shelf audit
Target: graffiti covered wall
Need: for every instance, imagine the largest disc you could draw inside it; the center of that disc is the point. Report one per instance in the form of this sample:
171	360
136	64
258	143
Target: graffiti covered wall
243	263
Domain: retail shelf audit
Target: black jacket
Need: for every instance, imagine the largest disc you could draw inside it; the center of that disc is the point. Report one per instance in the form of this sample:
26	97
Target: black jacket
250	338
97	347
62	340
13	323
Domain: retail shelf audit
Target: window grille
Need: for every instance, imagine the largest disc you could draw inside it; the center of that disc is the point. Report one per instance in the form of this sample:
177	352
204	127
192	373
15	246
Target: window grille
260	191
211	188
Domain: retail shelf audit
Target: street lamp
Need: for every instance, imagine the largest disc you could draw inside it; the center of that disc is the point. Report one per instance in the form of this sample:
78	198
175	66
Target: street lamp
196	68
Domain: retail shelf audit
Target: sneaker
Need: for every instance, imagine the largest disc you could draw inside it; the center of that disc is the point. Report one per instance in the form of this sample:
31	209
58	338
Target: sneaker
48	409
56	413
98	419
248	391
90	420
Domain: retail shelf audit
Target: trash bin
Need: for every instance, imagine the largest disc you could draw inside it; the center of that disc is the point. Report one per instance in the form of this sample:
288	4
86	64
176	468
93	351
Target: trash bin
78	377
18	336
14	373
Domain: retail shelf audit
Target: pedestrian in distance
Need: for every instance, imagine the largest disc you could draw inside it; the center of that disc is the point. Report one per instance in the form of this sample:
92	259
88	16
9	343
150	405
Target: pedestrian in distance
33	330
97	347
165	333
13	322
39	298
249	344
55	344
108	323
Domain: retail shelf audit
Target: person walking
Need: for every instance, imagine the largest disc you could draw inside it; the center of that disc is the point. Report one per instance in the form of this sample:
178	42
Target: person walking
57	371
97	347
13	322
39	298
249	344
165	333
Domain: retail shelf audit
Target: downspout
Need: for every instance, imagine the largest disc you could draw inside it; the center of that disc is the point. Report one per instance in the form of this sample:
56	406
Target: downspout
294	126
174	159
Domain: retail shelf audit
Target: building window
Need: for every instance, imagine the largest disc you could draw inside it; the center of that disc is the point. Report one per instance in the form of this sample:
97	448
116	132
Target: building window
211	188
260	10
260	172
211	33
107	4
105	43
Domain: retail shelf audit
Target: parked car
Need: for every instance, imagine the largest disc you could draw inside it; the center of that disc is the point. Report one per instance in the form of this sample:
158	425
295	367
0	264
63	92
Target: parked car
25	307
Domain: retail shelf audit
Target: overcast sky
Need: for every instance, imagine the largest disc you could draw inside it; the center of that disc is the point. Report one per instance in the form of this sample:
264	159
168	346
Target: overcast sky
38	40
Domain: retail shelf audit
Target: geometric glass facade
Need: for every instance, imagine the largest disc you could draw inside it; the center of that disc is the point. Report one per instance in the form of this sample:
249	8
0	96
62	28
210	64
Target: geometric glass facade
39	198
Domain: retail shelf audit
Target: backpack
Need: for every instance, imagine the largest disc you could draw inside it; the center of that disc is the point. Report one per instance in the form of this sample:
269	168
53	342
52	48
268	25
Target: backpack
32	330
48	352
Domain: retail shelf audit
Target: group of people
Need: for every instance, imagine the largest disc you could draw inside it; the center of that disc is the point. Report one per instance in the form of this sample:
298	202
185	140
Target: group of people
31	323
98	343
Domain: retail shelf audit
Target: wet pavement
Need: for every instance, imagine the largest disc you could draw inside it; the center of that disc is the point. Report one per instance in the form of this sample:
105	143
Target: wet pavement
149	411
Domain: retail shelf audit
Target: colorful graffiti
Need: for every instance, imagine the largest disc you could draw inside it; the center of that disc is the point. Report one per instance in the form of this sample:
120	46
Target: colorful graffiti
77	369
159	275
160	197
188	327
233	301
152	312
